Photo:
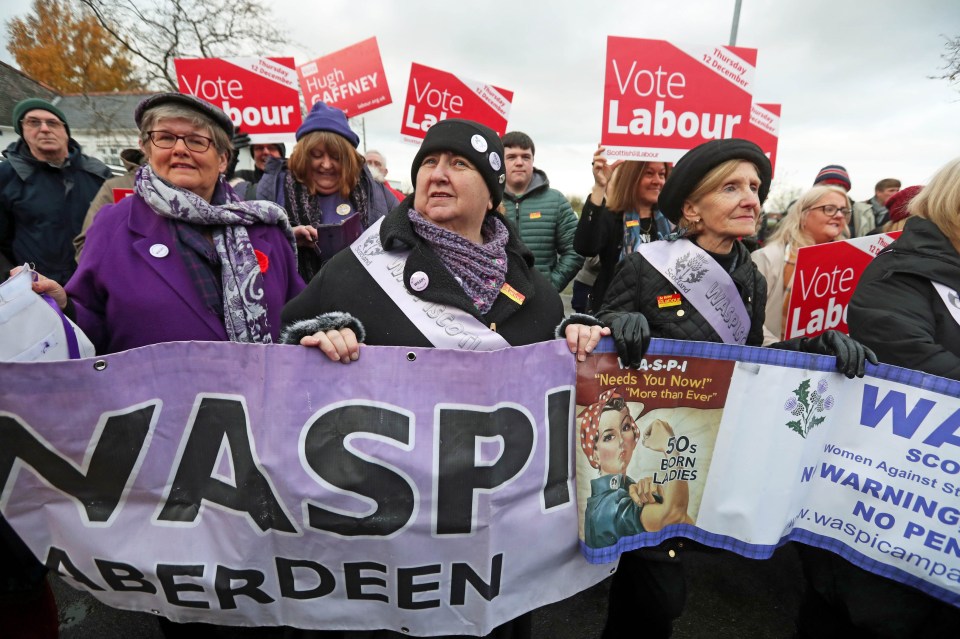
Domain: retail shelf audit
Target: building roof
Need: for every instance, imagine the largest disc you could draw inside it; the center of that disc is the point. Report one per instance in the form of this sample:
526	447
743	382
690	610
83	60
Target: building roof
18	86
101	111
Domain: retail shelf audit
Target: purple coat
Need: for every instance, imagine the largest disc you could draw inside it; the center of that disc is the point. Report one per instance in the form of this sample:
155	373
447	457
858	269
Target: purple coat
132	288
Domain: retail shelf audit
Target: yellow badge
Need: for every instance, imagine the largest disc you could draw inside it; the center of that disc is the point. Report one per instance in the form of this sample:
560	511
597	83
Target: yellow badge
632	223
535	215
512	293
343	209
666	301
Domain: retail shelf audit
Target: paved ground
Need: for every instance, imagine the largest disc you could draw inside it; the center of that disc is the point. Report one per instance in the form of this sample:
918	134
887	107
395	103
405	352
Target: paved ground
729	597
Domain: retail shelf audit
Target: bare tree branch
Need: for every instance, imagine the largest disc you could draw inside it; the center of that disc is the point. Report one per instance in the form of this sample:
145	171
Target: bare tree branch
171	29
951	58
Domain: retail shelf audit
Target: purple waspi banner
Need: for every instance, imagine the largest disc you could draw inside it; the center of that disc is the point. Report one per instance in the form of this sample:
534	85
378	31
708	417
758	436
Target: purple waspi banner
263	485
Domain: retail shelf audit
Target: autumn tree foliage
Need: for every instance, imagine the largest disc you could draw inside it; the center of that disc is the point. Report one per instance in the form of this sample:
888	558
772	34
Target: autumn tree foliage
157	32
63	45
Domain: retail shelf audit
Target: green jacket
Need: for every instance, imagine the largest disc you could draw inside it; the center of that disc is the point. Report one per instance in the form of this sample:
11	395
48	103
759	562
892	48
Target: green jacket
547	224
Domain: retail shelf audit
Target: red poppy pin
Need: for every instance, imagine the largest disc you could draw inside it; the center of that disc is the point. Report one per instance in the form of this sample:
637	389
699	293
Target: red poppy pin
262	260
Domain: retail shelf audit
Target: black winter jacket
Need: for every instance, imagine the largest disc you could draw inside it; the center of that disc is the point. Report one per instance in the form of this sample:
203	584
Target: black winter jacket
636	285
600	232
895	309
42	208
344	285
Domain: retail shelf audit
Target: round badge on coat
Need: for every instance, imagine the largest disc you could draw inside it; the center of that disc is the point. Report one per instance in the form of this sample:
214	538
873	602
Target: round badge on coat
419	281
159	250
478	143
343	209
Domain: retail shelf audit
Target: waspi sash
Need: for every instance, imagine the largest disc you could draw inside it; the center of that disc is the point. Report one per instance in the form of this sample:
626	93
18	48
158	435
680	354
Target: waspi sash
704	283
950	298
443	326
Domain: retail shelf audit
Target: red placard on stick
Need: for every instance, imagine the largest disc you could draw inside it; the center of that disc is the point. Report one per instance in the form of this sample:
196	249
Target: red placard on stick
434	95
824	280
763	127
661	99
260	95
350	79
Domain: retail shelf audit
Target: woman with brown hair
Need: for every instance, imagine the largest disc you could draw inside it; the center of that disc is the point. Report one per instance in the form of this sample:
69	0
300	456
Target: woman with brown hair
620	214
326	188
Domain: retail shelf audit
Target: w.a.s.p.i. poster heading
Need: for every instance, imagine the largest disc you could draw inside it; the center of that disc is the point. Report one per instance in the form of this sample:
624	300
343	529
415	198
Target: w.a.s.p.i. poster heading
434	95
746	448
661	99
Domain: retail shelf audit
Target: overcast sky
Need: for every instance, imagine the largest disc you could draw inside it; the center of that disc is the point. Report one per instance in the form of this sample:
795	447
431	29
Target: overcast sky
852	75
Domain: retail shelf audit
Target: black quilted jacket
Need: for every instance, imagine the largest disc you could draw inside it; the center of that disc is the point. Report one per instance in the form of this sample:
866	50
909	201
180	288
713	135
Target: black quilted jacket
636	285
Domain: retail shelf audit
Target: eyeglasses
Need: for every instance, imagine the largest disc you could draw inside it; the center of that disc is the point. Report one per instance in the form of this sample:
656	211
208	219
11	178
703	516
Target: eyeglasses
830	210
36	123
167	140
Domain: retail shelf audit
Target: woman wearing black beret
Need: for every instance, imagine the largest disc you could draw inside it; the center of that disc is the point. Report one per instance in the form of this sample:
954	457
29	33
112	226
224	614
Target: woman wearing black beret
665	289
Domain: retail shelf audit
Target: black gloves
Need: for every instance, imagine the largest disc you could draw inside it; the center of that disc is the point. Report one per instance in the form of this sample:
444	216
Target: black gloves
240	140
850	353
631	334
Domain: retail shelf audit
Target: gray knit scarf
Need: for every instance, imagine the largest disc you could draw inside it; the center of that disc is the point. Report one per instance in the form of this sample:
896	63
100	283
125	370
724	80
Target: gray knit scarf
481	269
244	315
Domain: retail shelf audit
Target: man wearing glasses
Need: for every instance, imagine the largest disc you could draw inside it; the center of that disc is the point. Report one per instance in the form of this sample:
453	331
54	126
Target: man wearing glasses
46	186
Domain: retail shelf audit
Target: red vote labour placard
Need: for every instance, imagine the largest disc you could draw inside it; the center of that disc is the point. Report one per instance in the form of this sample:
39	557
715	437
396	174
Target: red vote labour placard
763	128
434	95
259	94
350	79
661	99
824	280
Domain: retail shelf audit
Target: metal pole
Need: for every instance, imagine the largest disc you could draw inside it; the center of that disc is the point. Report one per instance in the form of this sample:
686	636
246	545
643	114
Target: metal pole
736	23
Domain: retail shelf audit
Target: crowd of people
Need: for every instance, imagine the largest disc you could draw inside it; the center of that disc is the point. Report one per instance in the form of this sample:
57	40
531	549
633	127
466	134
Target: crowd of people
200	251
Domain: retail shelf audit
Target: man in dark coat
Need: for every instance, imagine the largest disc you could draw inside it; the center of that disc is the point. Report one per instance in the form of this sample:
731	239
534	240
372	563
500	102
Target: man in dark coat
46	186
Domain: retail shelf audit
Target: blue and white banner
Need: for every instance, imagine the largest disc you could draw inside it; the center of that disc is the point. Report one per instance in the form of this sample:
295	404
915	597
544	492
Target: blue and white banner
747	448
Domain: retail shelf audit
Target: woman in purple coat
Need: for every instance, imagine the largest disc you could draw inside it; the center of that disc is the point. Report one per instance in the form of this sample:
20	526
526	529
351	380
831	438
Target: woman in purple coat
183	258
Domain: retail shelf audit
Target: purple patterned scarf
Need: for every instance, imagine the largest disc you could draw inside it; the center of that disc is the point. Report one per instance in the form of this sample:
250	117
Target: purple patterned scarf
244	316
481	269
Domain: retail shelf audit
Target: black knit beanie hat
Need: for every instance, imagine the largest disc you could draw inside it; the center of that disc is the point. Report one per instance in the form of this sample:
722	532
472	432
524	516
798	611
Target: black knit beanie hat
472	140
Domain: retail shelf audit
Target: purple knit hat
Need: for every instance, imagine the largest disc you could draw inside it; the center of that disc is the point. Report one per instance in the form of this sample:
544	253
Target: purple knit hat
327	118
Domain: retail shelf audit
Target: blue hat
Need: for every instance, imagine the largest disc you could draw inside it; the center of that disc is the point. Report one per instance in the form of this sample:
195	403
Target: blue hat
327	118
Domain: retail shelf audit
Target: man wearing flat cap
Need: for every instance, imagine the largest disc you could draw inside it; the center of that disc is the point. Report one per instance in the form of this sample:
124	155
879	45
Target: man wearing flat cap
45	189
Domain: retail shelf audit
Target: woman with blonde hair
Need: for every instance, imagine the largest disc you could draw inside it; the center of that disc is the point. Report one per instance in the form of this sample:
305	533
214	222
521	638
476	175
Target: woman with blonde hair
326	188
906	308
818	216
620	215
